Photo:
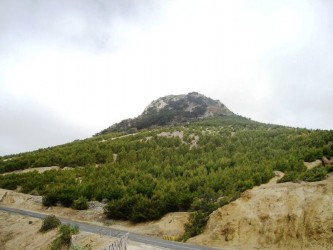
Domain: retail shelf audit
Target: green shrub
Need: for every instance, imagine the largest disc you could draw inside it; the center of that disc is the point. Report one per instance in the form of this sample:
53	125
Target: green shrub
56	244
315	174
290	177
328	150
195	225
64	240
313	155
49	223
66	233
330	169
81	203
49	199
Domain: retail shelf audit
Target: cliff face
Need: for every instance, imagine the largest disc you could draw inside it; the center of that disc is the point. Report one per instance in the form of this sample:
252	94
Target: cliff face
275	216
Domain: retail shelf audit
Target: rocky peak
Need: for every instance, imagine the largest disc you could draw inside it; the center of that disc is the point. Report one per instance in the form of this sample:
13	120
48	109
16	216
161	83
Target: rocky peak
193	105
173	109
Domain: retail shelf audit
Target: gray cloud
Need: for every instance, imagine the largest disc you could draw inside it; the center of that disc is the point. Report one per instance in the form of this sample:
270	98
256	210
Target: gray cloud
303	76
26	126
71	68
82	24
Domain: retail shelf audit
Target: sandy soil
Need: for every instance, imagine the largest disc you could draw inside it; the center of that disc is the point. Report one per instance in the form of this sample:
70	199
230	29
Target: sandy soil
22	232
275	216
39	170
171	224
180	135
310	165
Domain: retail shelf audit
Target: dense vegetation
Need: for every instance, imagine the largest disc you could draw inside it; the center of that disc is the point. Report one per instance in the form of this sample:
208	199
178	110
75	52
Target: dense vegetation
197	167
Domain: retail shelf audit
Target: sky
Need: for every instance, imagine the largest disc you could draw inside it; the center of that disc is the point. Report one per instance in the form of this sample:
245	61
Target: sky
70	68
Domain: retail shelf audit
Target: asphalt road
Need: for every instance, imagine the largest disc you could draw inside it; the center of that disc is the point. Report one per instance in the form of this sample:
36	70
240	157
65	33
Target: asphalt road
114	232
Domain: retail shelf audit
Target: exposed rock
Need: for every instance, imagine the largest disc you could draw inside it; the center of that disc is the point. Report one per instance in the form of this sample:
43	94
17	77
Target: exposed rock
276	216
179	134
39	170
327	161
173	109
310	165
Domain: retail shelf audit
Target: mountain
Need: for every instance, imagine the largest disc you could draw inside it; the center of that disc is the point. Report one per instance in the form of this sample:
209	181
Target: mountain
203	158
173	109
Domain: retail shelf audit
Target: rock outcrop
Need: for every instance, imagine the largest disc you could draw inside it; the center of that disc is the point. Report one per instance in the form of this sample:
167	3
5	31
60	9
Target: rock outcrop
173	109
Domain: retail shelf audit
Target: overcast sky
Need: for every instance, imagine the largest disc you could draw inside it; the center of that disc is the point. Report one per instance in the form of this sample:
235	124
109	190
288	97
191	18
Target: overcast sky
69	69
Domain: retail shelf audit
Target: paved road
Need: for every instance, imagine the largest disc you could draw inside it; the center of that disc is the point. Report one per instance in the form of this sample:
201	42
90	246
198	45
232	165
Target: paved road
114	232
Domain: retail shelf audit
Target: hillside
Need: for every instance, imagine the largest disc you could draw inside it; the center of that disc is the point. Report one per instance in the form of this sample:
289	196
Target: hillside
199	165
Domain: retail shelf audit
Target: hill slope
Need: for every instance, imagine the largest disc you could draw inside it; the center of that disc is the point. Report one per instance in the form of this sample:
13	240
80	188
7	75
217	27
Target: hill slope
198	166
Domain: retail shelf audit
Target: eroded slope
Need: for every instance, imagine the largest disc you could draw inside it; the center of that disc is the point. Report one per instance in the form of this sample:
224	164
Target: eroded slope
282	216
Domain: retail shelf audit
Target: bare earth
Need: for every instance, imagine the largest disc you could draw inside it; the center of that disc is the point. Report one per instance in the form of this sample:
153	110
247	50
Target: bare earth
39	170
12	232
22	232
275	216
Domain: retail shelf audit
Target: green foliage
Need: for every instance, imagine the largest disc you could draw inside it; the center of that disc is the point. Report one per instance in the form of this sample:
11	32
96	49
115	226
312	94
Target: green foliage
50	199
195	225
290	177
328	150
64	240
146	175
67	231
81	203
50	222
314	154
315	174
330	169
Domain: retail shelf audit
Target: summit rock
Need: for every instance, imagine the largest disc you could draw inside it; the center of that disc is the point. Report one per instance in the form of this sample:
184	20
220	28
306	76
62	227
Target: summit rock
173	109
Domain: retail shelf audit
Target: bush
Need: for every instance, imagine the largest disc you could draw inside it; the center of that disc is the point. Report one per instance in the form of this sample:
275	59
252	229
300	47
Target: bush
313	155
196	224
66	233
290	177
315	174
328	150
64	239
49	223
81	203
50	199
330	169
